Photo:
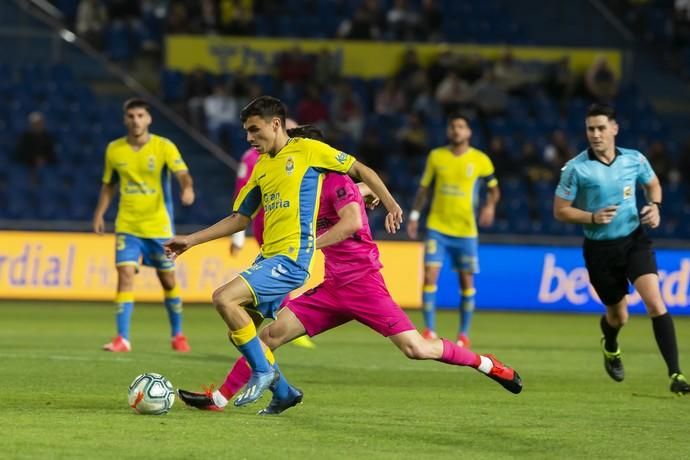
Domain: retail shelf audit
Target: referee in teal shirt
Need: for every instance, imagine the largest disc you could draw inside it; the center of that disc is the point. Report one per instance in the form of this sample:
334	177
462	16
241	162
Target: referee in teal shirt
597	190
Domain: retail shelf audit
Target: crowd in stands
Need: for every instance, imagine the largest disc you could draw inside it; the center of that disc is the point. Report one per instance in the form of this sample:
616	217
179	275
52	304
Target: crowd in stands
528	116
662	24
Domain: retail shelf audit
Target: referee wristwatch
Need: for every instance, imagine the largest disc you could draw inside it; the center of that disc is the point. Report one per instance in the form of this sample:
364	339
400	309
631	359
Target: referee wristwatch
657	203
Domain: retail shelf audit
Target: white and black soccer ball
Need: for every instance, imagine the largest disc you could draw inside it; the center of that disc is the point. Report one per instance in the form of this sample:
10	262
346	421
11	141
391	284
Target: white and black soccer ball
151	394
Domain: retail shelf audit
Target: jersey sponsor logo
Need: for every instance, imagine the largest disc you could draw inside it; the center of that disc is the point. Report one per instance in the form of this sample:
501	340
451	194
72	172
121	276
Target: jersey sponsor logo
341	157
274	201
289	166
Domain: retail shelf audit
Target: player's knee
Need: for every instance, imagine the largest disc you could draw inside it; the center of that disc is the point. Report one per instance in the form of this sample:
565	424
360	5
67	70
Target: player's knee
414	350
220	300
656	309
272	339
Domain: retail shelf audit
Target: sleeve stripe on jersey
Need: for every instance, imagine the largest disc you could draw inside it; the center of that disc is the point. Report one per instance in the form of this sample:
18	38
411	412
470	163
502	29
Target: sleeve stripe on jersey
491	180
250	202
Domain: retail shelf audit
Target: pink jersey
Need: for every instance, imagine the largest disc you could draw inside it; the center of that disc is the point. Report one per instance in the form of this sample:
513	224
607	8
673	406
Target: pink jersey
356	256
247	163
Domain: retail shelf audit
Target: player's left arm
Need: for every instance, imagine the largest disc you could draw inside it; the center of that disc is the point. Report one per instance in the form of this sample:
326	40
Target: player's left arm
488	211
350	222
493	194
651	212
394	218
176	164
186	187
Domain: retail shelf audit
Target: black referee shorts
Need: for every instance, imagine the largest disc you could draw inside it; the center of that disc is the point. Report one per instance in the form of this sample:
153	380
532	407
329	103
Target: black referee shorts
612	263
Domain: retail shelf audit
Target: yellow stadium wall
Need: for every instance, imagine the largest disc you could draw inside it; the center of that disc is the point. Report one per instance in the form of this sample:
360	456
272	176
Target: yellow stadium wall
81	266
359	58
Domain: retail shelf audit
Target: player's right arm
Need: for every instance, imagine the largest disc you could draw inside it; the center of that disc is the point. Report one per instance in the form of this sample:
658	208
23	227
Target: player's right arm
105	197
421	198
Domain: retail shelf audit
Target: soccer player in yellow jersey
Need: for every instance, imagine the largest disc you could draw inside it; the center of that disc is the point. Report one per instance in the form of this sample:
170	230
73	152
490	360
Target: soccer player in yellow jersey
286	182
139	165
455	170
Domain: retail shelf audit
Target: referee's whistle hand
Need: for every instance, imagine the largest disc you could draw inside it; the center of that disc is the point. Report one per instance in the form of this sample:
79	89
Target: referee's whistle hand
605	215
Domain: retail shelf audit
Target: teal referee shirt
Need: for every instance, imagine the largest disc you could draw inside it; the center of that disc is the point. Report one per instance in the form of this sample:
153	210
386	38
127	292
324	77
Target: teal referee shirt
592	185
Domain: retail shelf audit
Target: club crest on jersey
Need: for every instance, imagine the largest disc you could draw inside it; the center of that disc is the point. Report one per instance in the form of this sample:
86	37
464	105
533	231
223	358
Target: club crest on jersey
627	192
470	170
152	164
289	166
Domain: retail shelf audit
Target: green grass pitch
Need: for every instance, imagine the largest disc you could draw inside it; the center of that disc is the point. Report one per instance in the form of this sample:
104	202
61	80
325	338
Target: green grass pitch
64	398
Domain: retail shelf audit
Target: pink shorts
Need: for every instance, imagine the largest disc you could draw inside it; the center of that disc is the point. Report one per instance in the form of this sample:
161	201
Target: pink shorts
365	300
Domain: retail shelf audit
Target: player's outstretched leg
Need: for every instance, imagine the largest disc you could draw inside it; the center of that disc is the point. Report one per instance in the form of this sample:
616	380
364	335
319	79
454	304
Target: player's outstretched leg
414	346
203	401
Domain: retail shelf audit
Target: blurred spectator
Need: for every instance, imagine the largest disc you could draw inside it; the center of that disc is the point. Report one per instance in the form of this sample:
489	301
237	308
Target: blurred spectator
389	100
505	165
487	96
372	151
362	26
326	68
412	136
347	111
534	169
311	109
452	92
409	66
600	81
440	67
431	21
425	104
402	21
177	22
660	160
560	81
294	66
470	67
557	152
35	146
208	17
236	17
510	73
197	88
92	17
222	112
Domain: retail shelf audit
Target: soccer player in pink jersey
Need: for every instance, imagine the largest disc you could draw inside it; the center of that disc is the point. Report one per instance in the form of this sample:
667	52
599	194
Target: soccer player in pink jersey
353	289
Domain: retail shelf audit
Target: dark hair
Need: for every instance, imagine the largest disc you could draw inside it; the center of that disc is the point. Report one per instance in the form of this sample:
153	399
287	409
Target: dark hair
307	132
266	107
597	109
457	116
135	103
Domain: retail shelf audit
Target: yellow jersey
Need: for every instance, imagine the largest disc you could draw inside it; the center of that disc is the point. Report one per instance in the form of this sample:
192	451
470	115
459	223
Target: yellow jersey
145	208
455	180
288	186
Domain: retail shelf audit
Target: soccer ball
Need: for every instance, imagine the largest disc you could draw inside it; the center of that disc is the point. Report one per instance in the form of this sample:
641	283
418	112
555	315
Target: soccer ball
151	394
